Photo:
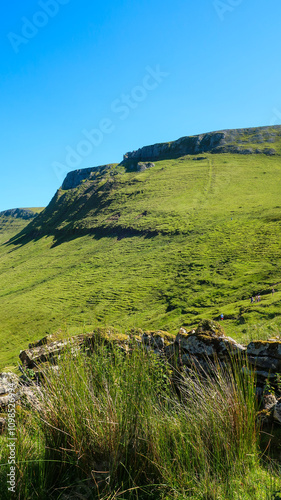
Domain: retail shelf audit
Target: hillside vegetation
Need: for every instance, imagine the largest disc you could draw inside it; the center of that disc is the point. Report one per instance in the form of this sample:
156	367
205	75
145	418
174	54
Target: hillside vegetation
14	221
112	426
192	237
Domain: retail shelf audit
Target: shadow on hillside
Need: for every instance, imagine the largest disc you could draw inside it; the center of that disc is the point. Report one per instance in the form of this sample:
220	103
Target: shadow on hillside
64	236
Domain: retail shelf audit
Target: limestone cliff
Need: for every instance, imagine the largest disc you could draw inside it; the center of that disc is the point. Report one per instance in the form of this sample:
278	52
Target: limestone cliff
76	177
246	141
258	140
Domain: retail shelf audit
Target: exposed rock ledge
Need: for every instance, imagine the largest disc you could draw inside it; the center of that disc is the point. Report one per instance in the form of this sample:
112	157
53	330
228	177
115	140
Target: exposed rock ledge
234	141
201	349
244	141
74	178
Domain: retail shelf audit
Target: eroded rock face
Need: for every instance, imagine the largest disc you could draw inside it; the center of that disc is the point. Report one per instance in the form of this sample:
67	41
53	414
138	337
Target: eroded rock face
265	357
271	410
277	411
207	341
225	141
14	389
203	347
157	340
44	353
76	177
265	349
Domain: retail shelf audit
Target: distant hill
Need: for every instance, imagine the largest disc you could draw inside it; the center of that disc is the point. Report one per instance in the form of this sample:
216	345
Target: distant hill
14	220
157	241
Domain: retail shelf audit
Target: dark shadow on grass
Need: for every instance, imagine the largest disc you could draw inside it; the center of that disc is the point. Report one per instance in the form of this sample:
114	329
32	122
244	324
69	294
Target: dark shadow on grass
67	235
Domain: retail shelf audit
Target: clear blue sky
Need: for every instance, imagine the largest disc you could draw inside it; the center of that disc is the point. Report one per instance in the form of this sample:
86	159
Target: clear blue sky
124	74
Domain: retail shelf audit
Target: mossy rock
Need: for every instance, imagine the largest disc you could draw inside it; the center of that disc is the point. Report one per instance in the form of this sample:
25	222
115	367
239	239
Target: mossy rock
210	328
166	336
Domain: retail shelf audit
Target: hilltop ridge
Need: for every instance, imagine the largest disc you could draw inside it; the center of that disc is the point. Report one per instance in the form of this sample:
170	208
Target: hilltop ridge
19	213
247	141
236	141
89	200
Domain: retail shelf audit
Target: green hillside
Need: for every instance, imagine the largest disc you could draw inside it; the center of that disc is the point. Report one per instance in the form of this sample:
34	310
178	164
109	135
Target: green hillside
15	220
193	236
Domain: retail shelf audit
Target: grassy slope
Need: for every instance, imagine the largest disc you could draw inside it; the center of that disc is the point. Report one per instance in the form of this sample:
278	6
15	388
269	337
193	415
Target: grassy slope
158	249
10	226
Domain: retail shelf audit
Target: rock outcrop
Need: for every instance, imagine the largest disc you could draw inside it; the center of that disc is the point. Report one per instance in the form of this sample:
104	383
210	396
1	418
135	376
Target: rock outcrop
234	141
76	177
265	357
203	348
244	141
13	390
43	352
208	343
141	167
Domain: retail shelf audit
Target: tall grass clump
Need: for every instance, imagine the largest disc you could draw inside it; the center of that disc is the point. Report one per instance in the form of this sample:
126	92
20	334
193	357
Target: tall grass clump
128	425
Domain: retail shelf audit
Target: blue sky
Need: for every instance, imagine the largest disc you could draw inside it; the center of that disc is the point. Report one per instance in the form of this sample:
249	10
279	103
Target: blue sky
83	82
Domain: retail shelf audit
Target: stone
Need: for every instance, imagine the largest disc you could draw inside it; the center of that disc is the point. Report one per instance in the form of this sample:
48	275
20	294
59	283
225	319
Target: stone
265	417
207	341
32	396
31	358
265	363
157	340
264	349
269	400
170	352
141	167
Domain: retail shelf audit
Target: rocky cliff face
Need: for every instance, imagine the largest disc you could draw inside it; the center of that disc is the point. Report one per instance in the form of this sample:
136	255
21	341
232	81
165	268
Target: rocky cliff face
261	140
239	141
74	178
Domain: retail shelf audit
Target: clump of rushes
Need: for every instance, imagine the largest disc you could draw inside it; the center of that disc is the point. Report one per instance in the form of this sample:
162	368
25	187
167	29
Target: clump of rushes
118	425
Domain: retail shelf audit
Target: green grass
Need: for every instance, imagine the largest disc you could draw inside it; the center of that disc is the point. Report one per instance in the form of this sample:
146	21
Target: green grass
10	226
182	241
113	426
